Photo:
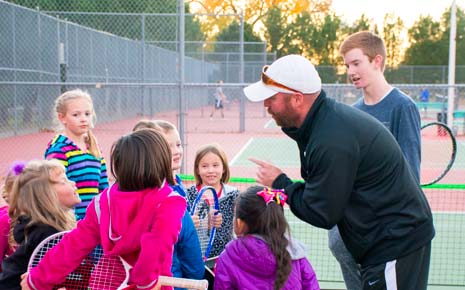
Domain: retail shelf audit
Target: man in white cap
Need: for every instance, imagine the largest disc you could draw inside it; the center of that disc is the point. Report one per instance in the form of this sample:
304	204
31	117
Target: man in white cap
355	177
364	55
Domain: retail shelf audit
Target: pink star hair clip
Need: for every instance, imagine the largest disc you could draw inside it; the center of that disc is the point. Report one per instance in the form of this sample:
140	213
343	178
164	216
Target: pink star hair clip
276	195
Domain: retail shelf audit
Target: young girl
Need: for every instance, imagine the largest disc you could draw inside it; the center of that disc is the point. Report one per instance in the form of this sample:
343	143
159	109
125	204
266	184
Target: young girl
40	205
5	248
139	217
76	147
211	168
187	257
263	257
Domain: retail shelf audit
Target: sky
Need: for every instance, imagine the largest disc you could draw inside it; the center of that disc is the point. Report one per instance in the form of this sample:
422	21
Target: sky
408	10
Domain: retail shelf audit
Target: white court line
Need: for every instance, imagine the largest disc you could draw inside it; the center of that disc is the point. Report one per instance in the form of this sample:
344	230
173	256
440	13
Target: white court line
449	212
268	124
240	152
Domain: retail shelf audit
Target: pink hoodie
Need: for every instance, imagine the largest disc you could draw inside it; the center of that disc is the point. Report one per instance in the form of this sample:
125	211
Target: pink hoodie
4	231
144	226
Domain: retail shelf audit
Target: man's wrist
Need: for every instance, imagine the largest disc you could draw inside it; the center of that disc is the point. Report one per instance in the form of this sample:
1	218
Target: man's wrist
281	181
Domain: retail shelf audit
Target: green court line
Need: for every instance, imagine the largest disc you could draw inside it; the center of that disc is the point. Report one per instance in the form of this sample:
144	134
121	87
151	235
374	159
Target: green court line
246	180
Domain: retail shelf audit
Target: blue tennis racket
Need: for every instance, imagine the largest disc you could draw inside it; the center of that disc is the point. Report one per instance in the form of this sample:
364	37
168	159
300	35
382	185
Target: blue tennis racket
205	206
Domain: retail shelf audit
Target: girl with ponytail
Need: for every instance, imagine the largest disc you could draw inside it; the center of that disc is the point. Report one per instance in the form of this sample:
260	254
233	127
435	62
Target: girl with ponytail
263	256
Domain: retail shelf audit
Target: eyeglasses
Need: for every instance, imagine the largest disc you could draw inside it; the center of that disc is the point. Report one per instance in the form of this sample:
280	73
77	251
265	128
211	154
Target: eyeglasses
270	82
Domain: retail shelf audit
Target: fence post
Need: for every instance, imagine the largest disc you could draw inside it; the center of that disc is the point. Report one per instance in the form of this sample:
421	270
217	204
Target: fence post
241	75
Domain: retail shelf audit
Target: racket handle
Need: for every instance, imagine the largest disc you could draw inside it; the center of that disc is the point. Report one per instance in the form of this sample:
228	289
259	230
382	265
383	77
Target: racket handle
181	283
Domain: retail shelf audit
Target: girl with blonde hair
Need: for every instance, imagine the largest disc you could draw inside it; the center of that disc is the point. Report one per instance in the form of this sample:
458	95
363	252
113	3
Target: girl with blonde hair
76	146
40	205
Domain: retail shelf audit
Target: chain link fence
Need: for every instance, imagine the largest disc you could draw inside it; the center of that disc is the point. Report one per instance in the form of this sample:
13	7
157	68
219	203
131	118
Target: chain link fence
130	64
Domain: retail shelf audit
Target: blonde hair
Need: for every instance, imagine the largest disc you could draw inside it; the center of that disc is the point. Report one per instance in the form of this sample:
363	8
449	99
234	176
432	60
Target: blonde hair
147	124
158	125
370	44
61	107
217	150
165	125
33	196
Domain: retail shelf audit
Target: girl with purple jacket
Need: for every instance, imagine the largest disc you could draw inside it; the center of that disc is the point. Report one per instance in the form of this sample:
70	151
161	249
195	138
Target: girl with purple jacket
263	257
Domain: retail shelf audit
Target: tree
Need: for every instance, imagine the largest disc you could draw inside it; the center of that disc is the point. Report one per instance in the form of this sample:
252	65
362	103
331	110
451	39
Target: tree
327	41
429	40
232	34
276	30
392	34
255	11
360	24
425	45
127	18
460	36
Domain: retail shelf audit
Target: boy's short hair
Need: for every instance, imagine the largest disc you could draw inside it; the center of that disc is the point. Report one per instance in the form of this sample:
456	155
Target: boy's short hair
370	44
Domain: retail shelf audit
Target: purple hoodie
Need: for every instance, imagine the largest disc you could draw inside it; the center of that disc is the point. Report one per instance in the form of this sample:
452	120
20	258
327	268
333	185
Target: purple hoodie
248	263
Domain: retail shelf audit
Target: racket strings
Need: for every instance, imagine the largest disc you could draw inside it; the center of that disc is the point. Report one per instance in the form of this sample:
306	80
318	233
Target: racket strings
205	210
109	273
438	148
97	271
205	224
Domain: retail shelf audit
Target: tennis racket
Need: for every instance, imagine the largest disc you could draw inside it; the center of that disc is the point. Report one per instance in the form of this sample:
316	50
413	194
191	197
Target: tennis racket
96	271
190	284
204	207
439	149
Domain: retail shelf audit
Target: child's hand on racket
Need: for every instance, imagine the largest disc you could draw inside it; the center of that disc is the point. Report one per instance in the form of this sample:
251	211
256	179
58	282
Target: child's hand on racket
217	219
196	220
267	172
24	285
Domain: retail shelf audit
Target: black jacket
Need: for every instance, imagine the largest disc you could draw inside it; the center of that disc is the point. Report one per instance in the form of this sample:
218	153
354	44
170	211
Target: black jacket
356	177
27	238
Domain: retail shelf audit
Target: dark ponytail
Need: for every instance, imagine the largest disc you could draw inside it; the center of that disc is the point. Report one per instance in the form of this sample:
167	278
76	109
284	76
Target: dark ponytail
268	221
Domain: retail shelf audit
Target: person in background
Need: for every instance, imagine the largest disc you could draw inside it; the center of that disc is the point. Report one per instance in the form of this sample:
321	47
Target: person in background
364	56
424	99
264	256
40	205
76	147
220	99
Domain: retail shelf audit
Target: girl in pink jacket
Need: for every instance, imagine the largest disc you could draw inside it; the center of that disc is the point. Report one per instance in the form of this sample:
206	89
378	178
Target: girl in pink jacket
138	218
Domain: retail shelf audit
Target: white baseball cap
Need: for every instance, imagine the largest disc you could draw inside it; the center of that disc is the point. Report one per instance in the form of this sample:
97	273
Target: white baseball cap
288	74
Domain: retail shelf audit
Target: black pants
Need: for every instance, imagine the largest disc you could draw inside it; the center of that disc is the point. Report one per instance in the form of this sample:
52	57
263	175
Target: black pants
405	273
210	278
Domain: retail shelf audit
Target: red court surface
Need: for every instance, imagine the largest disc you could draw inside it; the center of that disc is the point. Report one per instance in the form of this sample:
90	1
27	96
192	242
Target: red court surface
200	129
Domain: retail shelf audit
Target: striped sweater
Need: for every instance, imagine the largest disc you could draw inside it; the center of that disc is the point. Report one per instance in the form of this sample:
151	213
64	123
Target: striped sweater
88	171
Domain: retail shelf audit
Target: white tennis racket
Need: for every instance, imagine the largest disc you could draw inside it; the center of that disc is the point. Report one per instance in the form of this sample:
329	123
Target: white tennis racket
96	271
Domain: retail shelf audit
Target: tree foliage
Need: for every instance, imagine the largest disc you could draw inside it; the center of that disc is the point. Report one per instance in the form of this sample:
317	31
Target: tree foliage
128	19
429	40
307	27
255	11
232	34
393	39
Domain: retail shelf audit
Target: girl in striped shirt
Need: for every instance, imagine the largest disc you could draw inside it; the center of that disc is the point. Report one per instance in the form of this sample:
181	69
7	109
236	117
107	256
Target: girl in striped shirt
76	147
